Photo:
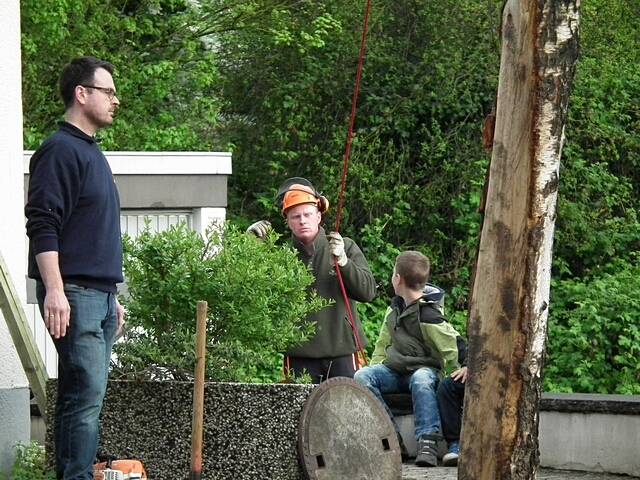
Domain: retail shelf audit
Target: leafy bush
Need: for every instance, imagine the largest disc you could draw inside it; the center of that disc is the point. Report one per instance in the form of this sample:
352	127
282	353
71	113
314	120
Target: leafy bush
164	73
594	333
258	295
30	463
381	256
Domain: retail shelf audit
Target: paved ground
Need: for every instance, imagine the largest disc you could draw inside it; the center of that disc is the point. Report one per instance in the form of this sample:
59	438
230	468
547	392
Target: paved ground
411	472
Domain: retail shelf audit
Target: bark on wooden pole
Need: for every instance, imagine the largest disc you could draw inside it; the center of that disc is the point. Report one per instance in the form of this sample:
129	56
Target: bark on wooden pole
198	392
510	296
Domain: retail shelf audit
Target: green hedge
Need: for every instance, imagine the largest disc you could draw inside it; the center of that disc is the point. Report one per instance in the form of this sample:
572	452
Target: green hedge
258	294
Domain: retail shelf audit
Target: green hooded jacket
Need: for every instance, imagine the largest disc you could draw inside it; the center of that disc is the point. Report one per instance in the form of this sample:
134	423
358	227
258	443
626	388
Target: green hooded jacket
416	336
334	336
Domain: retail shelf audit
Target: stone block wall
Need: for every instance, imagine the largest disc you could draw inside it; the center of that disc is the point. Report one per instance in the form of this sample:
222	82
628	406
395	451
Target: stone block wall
250	430
596	433
587	432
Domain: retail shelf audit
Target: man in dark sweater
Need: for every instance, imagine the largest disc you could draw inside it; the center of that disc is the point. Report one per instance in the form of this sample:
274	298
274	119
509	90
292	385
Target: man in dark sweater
75	256
333	350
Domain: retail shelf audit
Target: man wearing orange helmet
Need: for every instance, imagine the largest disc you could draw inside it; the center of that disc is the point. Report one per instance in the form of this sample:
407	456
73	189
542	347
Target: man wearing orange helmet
332	352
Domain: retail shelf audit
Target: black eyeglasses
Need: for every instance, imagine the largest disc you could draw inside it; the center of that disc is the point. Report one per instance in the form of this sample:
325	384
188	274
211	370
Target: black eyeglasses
109	92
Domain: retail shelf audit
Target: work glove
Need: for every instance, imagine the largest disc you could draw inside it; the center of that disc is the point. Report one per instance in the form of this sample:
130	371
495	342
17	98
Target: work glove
336	247
260	229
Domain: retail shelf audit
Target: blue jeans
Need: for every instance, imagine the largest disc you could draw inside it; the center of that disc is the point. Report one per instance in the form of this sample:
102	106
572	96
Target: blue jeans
84	354
422	384
450	402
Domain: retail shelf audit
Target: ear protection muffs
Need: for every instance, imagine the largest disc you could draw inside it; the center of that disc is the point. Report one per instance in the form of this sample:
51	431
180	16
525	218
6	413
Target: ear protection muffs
323	203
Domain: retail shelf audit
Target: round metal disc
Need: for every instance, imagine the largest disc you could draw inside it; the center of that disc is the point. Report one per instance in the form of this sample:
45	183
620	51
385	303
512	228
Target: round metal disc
346	433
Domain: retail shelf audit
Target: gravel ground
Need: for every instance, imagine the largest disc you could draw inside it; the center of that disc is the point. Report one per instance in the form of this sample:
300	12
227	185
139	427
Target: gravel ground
411	472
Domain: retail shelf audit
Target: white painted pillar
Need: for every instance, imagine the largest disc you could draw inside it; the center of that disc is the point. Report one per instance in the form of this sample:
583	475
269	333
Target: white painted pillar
14	389
203	217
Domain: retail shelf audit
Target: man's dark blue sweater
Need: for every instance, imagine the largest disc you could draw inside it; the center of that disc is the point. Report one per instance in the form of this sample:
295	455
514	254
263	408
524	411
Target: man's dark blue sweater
73	208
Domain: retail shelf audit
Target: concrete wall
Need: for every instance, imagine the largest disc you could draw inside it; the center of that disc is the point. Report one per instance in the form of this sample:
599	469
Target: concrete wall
594	433
597	433
251	430
595	442
14	390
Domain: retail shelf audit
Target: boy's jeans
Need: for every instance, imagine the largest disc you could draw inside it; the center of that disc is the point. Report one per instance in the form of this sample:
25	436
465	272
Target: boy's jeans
422	384
84	354
450	401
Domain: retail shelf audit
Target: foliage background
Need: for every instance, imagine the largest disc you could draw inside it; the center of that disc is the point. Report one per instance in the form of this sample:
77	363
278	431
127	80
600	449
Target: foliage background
272	81
30	464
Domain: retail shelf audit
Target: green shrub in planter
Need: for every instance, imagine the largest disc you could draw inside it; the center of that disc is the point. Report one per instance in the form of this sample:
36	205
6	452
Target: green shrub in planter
258	293
30	464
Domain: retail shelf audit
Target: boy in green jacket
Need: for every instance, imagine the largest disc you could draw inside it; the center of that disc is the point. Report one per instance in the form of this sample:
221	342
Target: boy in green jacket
416	344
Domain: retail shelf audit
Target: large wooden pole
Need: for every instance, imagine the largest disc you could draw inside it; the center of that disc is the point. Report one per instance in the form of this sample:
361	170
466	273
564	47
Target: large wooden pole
510	297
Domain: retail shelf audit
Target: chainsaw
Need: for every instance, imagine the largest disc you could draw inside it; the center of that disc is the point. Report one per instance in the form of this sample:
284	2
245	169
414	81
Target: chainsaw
119	470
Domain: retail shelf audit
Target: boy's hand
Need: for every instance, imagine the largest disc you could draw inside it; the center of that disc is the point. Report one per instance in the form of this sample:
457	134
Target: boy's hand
260	229
460	375
336	246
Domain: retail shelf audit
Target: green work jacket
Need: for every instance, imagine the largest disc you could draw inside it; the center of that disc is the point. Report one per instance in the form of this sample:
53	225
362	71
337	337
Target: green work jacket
334	336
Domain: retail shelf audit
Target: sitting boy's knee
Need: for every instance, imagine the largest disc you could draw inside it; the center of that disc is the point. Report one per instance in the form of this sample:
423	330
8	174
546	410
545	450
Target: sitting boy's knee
425	377
363	376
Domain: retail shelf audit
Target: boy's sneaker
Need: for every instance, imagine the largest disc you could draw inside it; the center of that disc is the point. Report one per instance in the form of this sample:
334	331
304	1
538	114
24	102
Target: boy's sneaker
427	451
451	457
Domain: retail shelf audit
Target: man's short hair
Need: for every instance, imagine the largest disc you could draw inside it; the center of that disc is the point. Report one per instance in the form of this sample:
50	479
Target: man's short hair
414	268
79	71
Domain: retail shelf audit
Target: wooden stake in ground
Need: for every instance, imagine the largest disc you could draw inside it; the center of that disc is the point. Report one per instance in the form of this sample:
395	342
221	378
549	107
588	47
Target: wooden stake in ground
22	338
198	392
510	298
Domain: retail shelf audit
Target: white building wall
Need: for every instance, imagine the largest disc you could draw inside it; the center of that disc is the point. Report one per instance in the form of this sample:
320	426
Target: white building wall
14	390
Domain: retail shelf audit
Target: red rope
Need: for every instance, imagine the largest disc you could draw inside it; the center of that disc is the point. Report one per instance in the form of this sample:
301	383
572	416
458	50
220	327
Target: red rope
352	322
354	109
343	188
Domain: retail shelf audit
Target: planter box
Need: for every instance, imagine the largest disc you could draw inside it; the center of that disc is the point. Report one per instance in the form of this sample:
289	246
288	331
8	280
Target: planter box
250	430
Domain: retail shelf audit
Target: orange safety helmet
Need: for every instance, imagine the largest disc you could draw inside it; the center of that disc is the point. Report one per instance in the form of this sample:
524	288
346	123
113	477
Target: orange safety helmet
293	194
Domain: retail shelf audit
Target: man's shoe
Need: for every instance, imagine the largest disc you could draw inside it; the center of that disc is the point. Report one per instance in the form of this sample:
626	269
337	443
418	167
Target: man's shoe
427	451
451	457
403	449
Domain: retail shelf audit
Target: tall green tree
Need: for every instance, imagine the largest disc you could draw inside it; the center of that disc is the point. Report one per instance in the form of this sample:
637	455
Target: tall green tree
165	75
417	159
593	329
272	81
